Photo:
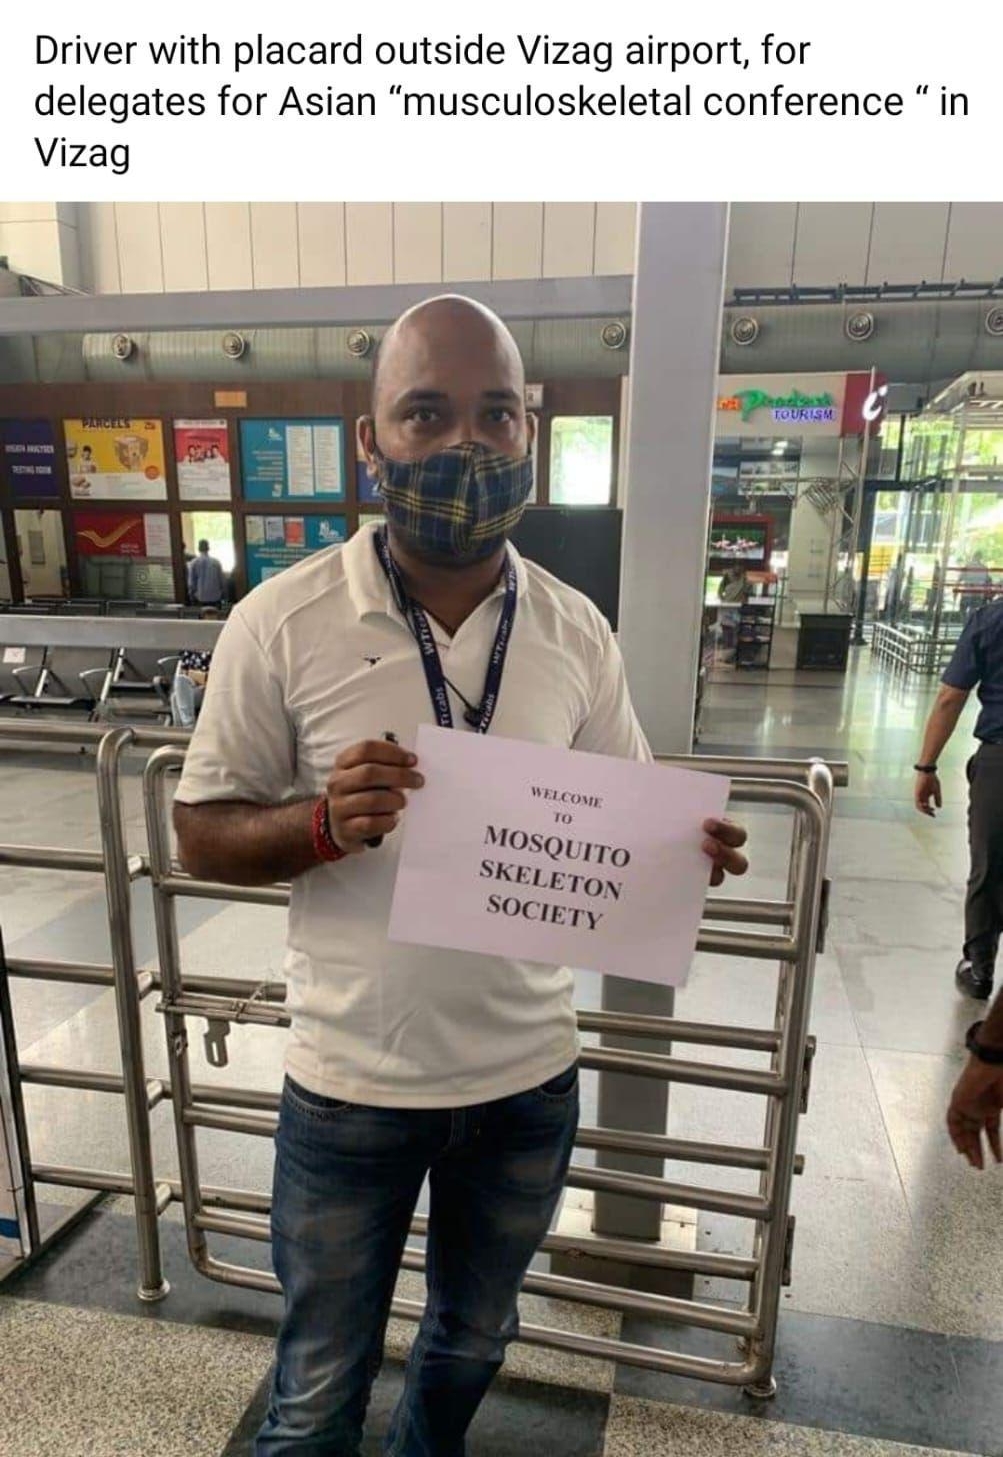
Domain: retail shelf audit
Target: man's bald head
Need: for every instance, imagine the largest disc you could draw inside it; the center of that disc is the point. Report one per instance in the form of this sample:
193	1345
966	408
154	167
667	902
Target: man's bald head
451	320
448	371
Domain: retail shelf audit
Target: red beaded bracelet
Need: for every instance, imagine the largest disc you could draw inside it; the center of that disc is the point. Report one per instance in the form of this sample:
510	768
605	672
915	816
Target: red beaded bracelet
324	845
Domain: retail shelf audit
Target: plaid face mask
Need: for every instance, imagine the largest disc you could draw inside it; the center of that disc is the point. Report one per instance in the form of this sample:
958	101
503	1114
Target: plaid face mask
457	505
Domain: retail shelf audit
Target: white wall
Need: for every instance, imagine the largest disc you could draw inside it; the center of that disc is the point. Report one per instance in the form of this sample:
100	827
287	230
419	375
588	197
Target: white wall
151	247
814	243
40	239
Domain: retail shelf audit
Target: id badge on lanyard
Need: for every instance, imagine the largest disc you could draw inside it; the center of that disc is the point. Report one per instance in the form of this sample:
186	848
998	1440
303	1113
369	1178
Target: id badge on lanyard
478	718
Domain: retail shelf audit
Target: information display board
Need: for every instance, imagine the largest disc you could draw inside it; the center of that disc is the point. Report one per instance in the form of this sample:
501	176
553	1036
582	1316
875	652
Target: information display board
29	450
292	460
277	542
202	452
367	488
116	460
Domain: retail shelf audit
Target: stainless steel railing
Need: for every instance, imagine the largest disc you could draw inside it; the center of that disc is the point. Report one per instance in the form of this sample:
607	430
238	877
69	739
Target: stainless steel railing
911	650
795	926
783	1085
119	870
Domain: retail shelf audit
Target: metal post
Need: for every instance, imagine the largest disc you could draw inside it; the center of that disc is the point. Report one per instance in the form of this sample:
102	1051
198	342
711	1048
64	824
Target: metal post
959	456
811	847
837	525
858	513
858	498
152	1285
867	529
158	840
14	1148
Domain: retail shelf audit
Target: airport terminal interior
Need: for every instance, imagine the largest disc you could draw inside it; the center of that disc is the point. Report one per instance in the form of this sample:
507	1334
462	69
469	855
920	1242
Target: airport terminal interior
791	1258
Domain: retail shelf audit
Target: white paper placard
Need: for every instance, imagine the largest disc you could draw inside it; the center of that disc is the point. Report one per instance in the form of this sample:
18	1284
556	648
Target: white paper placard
541	854
14	655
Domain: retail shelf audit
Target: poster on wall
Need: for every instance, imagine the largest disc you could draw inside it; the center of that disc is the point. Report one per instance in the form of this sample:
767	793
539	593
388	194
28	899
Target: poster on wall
277	542
116	460
202	452
29	451
366	488
290	460
113	533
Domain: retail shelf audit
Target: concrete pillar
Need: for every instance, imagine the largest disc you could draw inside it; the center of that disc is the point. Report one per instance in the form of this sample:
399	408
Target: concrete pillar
678	293
675	343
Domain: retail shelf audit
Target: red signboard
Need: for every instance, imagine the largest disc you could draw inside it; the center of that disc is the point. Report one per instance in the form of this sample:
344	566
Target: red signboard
109	533
864	402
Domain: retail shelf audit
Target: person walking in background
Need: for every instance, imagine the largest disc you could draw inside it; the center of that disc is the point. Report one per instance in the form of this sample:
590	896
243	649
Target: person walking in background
977	663
975	585
206	581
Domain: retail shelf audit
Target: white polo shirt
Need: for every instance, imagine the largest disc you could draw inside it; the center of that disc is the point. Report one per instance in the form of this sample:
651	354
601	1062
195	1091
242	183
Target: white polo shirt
319	658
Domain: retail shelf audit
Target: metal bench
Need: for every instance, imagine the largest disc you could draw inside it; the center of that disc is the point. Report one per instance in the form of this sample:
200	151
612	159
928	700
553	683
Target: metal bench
19	666
66	681
138	683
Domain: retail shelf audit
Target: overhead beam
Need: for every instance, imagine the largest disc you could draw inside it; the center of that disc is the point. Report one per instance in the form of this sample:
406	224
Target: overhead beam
276	308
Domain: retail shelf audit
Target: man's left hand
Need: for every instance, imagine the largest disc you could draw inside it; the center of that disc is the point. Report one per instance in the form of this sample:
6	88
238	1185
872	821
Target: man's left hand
975	1110
723	847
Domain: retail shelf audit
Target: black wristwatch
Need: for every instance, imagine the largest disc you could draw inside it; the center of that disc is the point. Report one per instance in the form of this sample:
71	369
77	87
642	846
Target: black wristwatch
925	768
991	1055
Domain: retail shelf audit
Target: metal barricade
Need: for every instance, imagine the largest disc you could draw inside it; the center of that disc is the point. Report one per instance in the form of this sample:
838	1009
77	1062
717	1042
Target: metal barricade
800	918
119	870
911	650
796	927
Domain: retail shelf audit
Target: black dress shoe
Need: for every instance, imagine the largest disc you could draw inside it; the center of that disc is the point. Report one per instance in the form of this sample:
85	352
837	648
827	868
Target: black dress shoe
974	981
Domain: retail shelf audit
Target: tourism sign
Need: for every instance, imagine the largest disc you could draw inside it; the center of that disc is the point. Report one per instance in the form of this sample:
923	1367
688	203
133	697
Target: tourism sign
785	405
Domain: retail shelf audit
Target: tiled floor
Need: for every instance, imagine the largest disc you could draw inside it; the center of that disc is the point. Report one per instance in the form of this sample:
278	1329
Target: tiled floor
891	1336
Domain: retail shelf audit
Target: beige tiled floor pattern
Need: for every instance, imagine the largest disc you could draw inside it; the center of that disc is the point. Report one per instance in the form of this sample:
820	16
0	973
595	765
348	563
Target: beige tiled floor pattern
891	1227
82	1383
648	1429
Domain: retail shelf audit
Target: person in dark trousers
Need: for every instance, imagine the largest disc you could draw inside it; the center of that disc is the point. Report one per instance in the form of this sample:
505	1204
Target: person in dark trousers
977	663
405	1061
206	581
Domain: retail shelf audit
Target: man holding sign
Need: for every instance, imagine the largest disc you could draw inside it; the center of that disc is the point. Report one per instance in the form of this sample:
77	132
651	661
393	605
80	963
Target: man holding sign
406	1060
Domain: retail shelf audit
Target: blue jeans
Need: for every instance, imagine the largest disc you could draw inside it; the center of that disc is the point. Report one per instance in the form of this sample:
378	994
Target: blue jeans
347	1179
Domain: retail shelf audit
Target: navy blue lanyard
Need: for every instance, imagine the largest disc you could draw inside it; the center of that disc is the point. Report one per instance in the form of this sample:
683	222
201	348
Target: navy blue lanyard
478	717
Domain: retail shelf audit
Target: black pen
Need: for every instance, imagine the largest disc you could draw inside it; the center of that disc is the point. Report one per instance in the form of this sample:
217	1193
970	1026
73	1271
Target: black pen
377	840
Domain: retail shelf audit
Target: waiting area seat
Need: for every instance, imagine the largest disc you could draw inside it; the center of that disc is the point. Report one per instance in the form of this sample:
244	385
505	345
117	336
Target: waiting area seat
137	683
122	673
103	607
66	679
19	667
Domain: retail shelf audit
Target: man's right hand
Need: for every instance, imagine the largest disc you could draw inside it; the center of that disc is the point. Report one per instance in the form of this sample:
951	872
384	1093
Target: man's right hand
974	1112
926	794
366	792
